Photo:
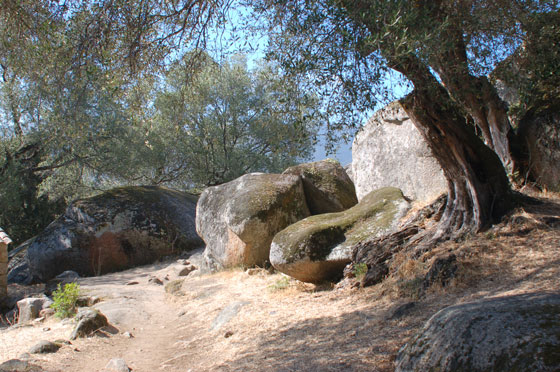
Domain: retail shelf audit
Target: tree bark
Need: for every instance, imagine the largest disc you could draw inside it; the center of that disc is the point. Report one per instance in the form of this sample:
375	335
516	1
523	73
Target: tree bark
479	191
478	97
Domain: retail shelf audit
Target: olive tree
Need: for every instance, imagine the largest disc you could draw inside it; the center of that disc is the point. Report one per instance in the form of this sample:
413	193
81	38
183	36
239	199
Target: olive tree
225	120
443	49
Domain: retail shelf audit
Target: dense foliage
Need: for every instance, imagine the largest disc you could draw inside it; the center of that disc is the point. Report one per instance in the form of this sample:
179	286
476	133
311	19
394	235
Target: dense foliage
228	121
64	300
100	94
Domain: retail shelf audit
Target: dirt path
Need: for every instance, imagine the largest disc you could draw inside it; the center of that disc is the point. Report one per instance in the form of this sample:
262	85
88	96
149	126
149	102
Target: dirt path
230	321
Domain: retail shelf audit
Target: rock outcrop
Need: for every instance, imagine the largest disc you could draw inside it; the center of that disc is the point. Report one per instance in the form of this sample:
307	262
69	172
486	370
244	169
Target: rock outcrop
514	333
319	247
326	185
119	229
539	134
238	219
389	151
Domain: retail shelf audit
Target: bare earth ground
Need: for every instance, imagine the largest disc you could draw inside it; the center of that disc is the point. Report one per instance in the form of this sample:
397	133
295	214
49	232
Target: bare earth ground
233	321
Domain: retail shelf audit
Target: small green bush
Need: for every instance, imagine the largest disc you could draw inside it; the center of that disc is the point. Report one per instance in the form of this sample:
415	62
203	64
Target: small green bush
65	300
360	270
281	284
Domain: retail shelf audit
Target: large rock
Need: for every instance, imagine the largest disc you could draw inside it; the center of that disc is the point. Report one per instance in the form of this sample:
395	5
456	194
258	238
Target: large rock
18	268
326	185
515	333
389	151
119	229
539	133
238	219
29	308
319	247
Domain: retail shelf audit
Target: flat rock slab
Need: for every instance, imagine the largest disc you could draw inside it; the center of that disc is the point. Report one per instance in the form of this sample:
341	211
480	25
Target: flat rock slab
514	333
227	314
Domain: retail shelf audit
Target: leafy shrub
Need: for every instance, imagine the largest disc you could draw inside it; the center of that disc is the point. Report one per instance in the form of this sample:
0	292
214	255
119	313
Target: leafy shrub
281	284
360	270
65	300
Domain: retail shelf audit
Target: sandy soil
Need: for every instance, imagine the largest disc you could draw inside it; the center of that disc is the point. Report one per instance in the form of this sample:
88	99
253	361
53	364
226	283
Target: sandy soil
233	321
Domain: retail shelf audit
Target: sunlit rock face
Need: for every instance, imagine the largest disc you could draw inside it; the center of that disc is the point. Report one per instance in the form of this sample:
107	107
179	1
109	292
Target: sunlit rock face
238	219
389	151
327	186
318	248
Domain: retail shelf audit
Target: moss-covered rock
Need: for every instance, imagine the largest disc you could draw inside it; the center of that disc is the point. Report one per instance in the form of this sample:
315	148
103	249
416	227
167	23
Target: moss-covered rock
326	185
317	248
119	229
238	219
513	333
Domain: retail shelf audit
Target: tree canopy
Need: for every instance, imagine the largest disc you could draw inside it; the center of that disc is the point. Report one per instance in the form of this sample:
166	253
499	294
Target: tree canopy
85	83
228	121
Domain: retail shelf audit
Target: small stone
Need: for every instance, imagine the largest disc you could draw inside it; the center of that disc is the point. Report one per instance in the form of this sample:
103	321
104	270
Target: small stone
68	275
117	365
183	262
133	282
184	271
402	310
86	301
17	365
253	271
128	335
155	280
228	334
46	329
29	309
45	313
89	321
44	347
442	271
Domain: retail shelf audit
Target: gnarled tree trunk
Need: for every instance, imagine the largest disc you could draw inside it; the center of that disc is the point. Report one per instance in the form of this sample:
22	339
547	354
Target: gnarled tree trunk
479	191
479	98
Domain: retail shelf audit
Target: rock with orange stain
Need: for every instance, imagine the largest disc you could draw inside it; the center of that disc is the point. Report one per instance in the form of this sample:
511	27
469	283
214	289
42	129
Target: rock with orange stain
119	229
